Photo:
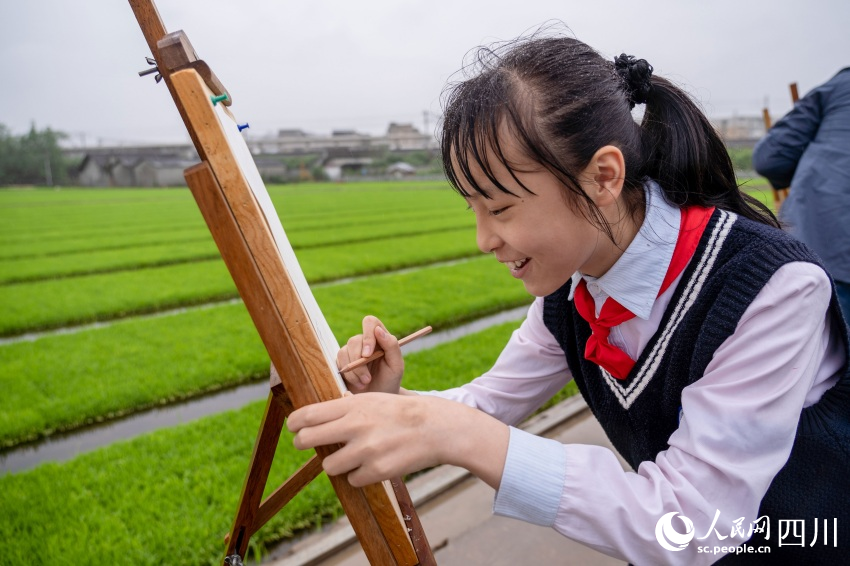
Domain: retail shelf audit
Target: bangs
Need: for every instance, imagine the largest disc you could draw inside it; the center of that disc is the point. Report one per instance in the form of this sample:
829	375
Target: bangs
508	116
472	128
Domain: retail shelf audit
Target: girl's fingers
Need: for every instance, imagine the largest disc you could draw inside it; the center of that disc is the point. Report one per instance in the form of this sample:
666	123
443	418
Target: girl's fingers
384	435
382	375
340	462
389	344
351	350
317	414
348	461
367	435
357	379
370	323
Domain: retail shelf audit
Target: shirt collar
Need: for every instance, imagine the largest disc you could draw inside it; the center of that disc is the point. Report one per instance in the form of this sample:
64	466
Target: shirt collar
635	279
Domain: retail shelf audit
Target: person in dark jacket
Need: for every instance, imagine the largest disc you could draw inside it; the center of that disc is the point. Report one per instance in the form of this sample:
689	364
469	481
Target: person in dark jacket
809	150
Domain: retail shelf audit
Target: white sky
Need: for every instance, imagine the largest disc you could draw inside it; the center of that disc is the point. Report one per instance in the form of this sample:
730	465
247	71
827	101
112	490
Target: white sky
321	65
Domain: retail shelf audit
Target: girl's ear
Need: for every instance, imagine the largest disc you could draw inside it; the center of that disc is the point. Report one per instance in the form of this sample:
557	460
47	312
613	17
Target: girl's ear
604	175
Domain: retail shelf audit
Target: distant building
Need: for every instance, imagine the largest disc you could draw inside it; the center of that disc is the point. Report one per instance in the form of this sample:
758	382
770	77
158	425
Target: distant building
740	131
399	137
133	168
404	137
401	169
162	166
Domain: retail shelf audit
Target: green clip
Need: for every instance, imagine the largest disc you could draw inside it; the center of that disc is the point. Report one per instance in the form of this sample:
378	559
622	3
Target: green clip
219	98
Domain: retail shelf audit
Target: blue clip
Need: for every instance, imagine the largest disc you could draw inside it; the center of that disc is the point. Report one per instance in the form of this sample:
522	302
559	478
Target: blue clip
243	126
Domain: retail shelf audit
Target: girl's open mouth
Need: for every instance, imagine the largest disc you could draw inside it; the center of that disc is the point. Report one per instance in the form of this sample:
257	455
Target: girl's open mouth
517	267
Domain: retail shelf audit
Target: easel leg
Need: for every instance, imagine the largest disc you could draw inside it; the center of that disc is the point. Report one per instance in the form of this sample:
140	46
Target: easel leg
361	505
258	474
417	533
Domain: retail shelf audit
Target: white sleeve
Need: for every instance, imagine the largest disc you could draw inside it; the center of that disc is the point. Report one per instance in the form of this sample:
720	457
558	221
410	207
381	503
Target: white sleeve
528	372
738	426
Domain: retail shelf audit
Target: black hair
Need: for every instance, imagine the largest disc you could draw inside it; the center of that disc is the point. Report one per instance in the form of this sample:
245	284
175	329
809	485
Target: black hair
562	101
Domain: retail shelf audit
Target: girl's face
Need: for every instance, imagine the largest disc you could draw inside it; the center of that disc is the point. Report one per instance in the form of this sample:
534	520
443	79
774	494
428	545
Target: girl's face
538	237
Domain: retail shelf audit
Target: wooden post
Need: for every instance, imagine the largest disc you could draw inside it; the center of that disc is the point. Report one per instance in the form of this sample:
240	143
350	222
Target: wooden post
779	195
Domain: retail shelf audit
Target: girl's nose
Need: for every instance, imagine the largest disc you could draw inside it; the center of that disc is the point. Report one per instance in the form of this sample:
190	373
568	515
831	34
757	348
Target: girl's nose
488	241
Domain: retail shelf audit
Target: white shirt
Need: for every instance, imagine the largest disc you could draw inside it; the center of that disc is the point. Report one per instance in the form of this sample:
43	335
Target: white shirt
738	421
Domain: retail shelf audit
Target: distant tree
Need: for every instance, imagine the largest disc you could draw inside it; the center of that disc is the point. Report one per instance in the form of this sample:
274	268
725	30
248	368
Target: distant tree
8	154
425	161
32	159
422	158
742	158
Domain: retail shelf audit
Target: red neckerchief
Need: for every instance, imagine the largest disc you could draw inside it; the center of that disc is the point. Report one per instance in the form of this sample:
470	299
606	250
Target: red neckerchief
612	313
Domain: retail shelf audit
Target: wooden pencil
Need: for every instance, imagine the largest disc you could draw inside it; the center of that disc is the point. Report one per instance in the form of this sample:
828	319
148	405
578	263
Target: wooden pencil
380	353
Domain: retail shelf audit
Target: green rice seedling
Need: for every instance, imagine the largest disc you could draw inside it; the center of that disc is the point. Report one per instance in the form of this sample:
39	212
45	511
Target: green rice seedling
295	202
76	243
67	215
65	381
369	218
377	229
65	258
54	303
375	256
164	498
44	258
320	230
759	189
106	261
169	497
46	304
408	301
55	214
49	222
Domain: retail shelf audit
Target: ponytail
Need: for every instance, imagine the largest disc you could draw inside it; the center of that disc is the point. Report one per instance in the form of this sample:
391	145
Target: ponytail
685	155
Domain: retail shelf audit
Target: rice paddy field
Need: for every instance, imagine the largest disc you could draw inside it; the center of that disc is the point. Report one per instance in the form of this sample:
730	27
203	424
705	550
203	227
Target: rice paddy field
113	302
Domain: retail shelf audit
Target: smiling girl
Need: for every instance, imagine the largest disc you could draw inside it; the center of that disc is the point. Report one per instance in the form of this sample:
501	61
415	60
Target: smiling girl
706	342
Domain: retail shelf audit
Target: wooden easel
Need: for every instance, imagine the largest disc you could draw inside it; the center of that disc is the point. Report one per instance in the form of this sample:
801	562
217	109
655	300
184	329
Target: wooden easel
235	205
779	195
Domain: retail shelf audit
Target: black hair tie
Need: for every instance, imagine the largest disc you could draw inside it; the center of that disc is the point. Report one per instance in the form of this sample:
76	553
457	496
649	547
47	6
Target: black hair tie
636	75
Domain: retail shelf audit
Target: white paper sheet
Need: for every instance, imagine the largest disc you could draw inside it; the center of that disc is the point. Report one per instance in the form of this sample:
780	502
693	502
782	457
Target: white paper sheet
249	170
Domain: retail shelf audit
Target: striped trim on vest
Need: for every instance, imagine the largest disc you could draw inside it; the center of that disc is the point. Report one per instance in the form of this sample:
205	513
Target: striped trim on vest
628	393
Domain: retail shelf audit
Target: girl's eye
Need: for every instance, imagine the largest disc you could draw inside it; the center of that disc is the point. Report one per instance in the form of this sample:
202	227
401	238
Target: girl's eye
498	211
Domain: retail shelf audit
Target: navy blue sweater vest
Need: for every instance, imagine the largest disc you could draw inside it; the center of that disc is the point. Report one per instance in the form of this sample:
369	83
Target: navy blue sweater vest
734	260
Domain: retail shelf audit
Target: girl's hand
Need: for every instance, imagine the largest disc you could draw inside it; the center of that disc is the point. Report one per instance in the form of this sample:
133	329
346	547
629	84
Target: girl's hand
384	374
386	436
